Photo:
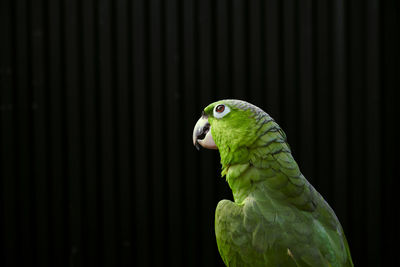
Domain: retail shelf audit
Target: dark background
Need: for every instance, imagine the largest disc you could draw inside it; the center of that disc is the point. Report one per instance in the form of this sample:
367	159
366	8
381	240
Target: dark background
99	99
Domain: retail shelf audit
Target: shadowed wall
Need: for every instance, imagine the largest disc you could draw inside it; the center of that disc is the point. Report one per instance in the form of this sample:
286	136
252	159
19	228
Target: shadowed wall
98	100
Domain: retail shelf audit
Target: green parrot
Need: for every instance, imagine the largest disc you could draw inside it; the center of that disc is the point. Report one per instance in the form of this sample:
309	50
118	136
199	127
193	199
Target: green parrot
277	217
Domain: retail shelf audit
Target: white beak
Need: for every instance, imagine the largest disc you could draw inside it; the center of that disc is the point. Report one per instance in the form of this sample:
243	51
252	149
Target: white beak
202	134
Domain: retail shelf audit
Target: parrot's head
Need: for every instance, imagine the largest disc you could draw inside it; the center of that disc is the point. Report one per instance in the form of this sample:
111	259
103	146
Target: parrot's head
231	127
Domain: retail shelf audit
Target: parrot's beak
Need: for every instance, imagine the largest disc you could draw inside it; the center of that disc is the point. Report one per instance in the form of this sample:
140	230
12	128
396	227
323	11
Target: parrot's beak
202	134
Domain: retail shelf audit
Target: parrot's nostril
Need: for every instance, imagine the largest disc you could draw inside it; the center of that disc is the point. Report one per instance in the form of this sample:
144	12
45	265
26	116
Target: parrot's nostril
204	132
202	136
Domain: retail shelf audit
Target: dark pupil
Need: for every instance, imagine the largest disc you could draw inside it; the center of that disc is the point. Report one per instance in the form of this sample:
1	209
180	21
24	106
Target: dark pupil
220	108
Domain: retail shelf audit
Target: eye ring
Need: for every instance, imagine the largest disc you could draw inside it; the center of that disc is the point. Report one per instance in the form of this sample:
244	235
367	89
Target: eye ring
221	110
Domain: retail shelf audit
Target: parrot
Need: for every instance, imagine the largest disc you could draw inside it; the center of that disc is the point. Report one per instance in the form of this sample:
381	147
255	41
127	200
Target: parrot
277	217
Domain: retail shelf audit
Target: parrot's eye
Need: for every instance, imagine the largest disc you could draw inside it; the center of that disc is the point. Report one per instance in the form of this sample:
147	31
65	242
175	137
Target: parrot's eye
220	108
220	111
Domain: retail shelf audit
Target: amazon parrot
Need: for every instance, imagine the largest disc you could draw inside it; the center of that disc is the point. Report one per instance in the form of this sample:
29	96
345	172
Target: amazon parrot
277	217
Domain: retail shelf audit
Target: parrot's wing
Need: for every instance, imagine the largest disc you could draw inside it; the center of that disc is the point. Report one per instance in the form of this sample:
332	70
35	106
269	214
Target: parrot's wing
254	234
312	213
329	237
246	238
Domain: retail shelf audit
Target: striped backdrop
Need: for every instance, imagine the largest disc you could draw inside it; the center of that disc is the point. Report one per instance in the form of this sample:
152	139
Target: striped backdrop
98	99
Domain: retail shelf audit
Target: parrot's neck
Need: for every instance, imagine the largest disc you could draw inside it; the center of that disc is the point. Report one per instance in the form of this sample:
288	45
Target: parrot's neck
254	170
243	180
240	189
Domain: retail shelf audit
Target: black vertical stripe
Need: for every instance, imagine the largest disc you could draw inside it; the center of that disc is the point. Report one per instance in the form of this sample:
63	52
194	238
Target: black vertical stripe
273	57
40	152
357	123
124	128
306	89
323	95
239	52
23	117
373	128
255	52
58	226
9	229
389	82
141	145
341	177
107	131
72	99
91	227
174	135
223	47
289	60
157	160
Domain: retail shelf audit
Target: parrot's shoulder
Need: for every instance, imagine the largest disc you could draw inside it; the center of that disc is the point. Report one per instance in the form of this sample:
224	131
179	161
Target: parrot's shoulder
230	233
